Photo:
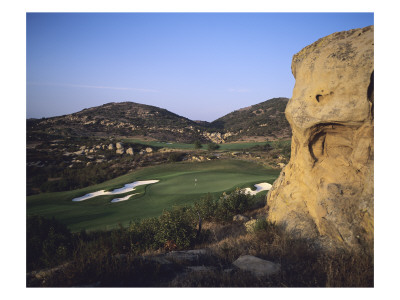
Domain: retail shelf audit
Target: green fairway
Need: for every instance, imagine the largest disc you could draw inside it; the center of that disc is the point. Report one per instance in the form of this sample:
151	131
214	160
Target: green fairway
179	184
183	146
169	145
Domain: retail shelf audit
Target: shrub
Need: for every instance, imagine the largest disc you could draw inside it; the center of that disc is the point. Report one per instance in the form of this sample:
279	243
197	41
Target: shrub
251	225
143	235
236	202
212	147
284	147
177	227
197	145
206	207
261	224
49	242
175	156
224	208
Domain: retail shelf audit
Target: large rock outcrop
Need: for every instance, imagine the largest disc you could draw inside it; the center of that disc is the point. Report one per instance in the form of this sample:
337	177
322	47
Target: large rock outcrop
327	188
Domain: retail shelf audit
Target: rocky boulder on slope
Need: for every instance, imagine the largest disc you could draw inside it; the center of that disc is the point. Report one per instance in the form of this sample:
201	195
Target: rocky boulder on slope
327	188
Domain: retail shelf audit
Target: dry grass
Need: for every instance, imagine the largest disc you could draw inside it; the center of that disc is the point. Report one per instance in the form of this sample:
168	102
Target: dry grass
303	264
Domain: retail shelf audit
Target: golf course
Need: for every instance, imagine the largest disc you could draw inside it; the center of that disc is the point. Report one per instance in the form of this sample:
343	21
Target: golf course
185	146
168	185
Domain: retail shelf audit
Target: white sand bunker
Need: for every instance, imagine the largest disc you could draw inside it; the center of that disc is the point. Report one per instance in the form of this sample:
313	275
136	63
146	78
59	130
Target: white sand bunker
127	188
263	186
123	198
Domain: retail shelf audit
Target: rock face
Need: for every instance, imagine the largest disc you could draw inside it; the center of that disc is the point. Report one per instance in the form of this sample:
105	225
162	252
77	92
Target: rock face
327	188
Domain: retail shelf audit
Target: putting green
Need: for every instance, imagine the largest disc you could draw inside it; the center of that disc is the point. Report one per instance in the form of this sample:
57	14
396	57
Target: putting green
179	184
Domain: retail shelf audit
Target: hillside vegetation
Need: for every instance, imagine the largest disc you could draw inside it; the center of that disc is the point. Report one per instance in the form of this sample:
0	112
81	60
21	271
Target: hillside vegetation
151	252
130	119
118	119
266	119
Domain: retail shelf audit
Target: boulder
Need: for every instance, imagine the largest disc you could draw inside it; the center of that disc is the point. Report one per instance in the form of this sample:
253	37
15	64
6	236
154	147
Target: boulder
256	266
79	152
326	190
186	257
201	269
129	151
240	218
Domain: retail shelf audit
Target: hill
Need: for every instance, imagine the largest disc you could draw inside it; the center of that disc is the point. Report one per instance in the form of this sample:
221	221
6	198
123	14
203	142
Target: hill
120	119
266	119
130	119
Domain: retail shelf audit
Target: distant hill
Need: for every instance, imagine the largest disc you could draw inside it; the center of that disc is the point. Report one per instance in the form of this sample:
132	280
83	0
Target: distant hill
266	119
133	119
120	119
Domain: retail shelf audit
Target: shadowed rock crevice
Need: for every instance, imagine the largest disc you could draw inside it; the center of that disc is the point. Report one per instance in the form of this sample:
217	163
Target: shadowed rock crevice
323	97
331	140
370	93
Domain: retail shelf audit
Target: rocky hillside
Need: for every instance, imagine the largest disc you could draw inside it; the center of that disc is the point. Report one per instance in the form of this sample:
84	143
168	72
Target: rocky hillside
327	189
120	119
266	119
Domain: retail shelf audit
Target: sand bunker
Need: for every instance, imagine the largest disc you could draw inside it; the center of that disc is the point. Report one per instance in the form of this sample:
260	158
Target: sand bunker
263	186
123	198
127	188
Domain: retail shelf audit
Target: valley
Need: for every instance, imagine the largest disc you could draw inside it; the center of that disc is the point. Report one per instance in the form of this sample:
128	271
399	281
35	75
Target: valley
70	156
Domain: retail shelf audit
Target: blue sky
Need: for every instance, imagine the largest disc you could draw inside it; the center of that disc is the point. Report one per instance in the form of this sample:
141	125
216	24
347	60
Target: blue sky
198	65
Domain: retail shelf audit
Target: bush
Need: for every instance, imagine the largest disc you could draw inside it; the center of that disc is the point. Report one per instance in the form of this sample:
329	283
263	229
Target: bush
212	147
143	235
206	207
177	229
197	145
224	208
49	242
284	147
262	225
235	203
175	156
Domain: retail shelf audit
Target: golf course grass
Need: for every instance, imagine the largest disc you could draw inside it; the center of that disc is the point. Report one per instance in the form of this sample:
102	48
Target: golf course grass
183	146
179	184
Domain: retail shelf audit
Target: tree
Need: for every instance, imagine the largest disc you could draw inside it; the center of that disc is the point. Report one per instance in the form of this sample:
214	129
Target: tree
197	144
212	147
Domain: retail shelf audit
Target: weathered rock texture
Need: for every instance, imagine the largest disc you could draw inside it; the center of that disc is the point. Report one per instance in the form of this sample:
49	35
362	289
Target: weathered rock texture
326	190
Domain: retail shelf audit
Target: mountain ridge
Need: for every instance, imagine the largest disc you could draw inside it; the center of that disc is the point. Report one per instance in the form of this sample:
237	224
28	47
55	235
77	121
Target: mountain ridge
136	119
